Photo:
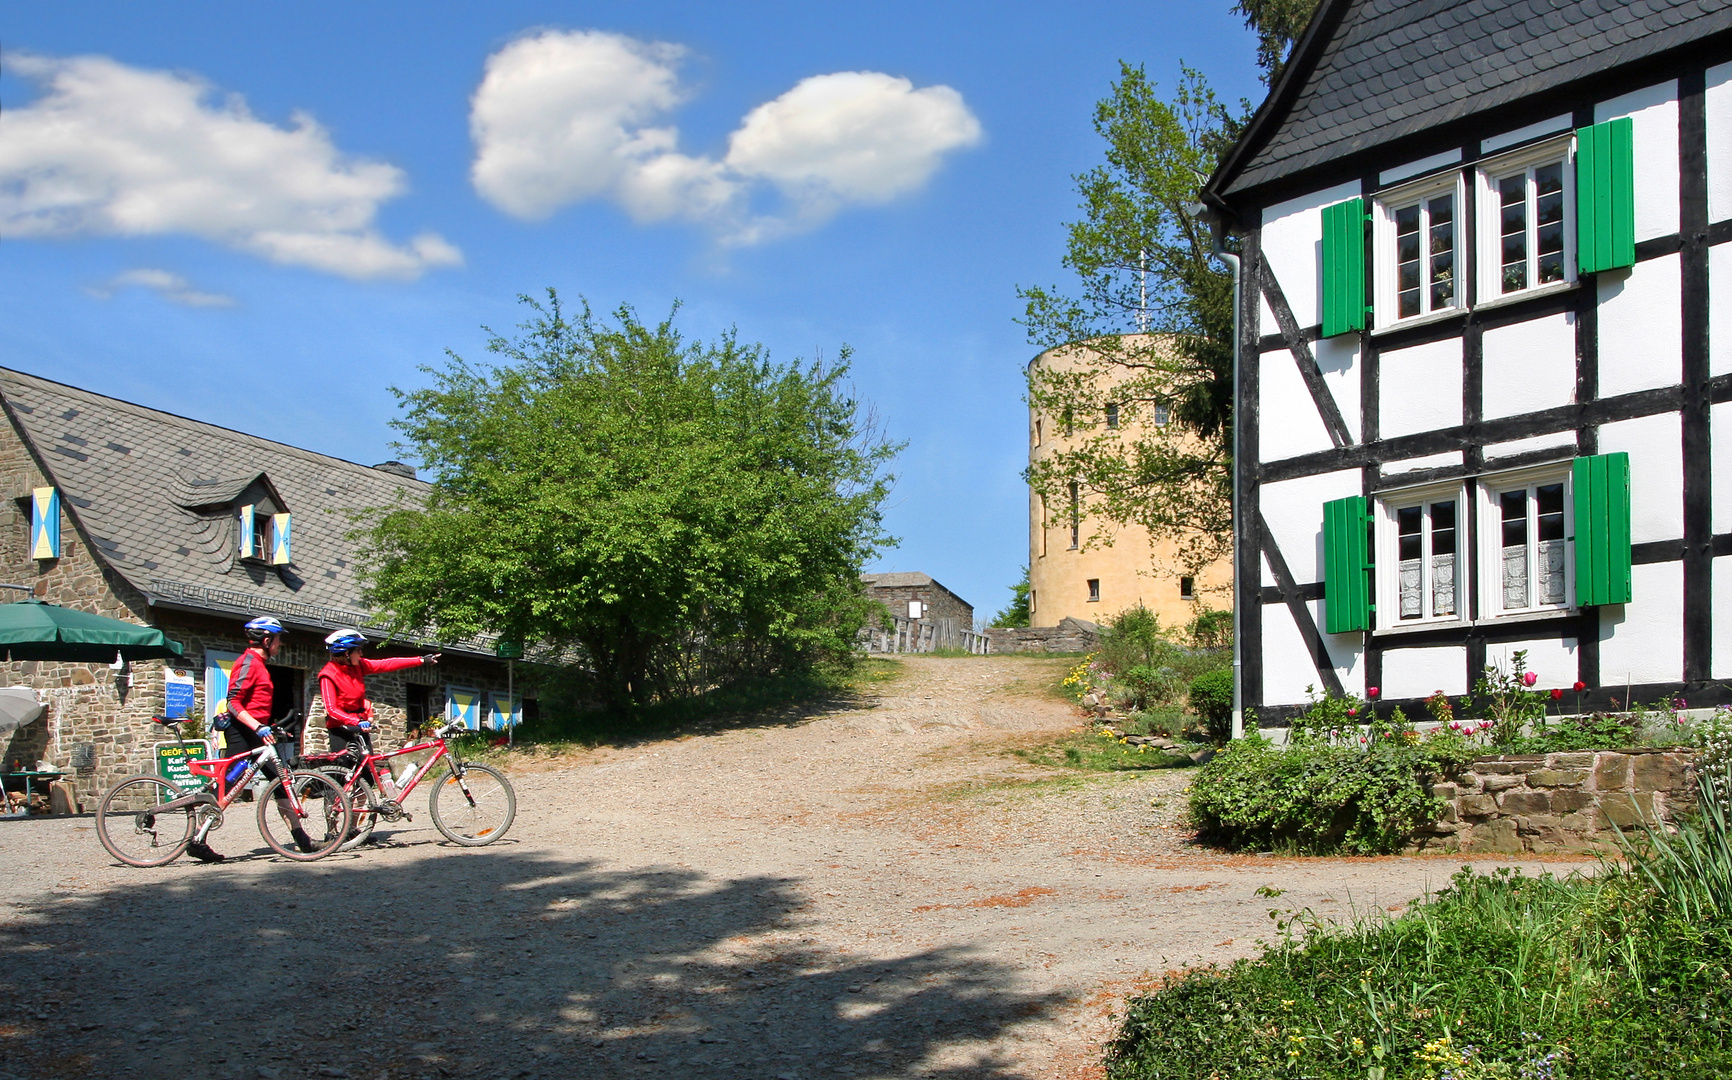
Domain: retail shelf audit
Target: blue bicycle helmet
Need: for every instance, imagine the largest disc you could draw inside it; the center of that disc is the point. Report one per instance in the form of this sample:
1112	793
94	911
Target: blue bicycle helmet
262	627
344	641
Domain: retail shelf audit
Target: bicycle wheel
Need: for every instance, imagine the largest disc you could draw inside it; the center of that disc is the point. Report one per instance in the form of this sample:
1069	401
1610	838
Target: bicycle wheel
476	810
326	819
136	834
363	806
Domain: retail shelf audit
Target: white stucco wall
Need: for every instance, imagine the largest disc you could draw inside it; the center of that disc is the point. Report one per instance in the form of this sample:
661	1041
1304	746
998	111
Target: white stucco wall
1419	388
1643	641
1294	511
1346	652
1420	167
1287	666
1720	309
1493	451
1292	241
1338	359
1419	673
1719	105
1552	659
1720	657
1656	449
1551	126
1720	433
1641	327
1529	365
1288	423
1653	111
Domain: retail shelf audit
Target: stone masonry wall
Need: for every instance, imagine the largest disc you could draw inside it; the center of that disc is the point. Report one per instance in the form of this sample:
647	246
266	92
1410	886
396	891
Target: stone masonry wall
1558	802
1069	636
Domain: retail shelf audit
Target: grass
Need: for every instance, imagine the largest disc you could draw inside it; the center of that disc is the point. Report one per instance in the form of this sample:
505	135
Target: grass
1099	752
782	699
1626	972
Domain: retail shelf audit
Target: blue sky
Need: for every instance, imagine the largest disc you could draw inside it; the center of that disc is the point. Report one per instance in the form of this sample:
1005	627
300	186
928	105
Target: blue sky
266	215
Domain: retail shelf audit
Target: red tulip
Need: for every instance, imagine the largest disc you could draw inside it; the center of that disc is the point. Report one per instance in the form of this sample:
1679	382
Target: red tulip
1529	679
1556	694
1352	712
1580	686
1371	691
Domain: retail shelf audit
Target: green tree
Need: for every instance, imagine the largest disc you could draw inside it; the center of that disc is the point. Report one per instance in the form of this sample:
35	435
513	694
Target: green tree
1149	328
1015	613
1278	23
678	514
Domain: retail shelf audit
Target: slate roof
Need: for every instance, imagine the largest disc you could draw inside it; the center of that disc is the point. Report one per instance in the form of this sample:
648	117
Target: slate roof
155	493
908	579
1368	72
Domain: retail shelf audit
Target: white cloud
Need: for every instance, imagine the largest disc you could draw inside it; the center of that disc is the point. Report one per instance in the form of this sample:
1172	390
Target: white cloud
563	116
112	150
169	285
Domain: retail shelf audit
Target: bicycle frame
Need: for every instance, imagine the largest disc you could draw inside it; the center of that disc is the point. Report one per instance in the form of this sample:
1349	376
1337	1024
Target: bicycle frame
370	764
216	771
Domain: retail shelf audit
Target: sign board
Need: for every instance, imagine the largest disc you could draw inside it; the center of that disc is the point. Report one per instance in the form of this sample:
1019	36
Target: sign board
171	763
178	689
506	649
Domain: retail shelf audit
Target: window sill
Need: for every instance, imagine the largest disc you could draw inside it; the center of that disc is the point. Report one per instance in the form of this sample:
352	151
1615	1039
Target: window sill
1548	615
1419	320
1525	294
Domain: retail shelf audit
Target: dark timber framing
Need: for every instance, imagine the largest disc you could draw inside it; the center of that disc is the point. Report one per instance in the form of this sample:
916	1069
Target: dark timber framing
1691	399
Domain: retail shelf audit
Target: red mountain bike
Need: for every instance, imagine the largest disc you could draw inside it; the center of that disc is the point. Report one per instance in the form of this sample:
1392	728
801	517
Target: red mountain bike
471	804
145	820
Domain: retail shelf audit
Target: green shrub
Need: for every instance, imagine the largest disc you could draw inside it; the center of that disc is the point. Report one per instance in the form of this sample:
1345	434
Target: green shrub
1211	697
1335	786
1625	973
1212	629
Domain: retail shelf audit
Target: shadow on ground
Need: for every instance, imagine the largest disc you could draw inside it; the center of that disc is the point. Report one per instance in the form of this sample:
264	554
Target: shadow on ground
497	963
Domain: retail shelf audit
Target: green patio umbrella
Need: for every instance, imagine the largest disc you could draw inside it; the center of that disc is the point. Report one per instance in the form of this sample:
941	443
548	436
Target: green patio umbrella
37	630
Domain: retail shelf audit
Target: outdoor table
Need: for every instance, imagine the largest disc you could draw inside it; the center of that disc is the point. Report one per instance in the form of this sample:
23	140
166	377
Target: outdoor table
28	775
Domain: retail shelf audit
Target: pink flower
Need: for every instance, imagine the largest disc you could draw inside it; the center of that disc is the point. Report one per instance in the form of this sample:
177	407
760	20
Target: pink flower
1371	691
1556	694
1529	678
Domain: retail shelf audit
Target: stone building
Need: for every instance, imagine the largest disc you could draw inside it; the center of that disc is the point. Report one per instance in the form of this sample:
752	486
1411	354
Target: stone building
1081	567
192	528
921	600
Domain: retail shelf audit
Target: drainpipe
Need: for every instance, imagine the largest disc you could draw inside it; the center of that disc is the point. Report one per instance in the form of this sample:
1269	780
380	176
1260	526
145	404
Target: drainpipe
1211	217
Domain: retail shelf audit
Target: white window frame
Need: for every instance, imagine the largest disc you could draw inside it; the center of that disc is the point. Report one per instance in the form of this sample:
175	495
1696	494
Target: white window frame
1488	225
1490	540
1385	264
1385	537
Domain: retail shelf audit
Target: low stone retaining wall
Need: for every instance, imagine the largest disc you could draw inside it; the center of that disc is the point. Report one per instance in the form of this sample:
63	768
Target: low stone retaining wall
1071	635
1557	802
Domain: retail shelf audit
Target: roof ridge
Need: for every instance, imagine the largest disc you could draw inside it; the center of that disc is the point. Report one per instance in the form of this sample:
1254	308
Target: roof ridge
145	410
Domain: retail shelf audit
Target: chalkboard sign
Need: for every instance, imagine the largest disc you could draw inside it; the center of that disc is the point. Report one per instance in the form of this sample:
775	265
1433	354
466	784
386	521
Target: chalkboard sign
171	764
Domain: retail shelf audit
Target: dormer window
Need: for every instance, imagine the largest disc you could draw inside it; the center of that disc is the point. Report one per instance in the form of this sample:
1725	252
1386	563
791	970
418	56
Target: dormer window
264	536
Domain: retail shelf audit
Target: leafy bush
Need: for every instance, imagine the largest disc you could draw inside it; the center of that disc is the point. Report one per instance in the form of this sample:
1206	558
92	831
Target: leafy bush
1334	787
1211	696
1212	629
1623	973
1140	667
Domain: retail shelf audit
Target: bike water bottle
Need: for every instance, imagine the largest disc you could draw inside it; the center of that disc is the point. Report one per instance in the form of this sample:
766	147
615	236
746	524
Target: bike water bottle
236	770
404	775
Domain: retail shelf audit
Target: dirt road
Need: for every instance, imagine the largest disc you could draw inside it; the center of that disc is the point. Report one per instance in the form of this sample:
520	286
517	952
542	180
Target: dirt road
877	889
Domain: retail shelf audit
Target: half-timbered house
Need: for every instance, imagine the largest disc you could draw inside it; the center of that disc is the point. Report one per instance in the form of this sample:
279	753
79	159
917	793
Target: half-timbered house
1485	376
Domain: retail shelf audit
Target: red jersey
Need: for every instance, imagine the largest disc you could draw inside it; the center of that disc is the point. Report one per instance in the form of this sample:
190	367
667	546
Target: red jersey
344	688
250	686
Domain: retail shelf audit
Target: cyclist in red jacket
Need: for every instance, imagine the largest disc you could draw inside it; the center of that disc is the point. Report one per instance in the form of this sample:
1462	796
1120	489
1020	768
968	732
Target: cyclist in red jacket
343	686
250	696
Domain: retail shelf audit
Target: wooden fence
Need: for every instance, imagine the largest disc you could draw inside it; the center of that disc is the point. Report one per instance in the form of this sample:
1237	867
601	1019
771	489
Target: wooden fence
921	636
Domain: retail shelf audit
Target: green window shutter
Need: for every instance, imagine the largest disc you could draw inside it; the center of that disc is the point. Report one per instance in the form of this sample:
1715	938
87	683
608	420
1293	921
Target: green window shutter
1602	503
1605	196
1344	267
1346	565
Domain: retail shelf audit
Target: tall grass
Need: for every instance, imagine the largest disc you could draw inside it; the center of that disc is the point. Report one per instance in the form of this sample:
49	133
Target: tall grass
1623	972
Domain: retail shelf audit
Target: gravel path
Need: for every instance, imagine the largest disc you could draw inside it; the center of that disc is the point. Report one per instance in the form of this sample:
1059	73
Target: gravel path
874	889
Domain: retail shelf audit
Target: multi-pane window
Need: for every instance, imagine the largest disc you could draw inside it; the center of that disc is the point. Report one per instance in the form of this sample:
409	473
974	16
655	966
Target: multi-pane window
1425	256
1426	567
1075	515
1531	562
1112	414
1531	227
1162	415
1525	222
1418	250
